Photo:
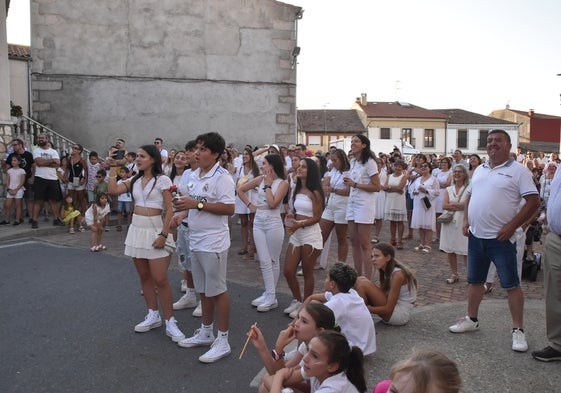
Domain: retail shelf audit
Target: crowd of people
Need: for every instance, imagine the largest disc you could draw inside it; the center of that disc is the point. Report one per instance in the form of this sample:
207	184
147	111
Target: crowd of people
182	202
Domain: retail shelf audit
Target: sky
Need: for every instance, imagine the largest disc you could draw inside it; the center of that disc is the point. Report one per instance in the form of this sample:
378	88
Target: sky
477	55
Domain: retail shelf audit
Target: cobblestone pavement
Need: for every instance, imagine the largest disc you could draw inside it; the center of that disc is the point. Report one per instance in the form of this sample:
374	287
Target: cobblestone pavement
431	269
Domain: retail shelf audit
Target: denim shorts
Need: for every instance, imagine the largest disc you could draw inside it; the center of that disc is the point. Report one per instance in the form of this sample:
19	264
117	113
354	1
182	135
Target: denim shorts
481	252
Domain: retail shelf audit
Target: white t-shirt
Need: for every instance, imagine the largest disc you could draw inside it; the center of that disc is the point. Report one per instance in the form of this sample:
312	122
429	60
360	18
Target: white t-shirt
361	173
101	213
125	196
209	232
15	177
338	383
45	172
355	320
495	196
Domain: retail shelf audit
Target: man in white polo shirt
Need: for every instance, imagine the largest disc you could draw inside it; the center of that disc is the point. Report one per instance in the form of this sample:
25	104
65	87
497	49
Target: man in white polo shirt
492	222
211	201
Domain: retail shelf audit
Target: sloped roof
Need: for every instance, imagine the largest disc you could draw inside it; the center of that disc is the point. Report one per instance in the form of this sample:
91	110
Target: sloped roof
18	52
460	116
398	110
535	115
329	120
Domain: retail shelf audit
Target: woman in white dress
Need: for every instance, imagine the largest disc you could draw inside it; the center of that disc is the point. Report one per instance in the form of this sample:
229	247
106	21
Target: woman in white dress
395	209
452	240
424	191
380	201
364	182
444	176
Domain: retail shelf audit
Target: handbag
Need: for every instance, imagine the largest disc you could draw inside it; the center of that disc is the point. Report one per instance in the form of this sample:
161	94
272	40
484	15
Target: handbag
446	216
426	202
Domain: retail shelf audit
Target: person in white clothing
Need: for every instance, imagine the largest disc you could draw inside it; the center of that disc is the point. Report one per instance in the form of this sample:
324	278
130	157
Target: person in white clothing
349	308
210	201
331	365
364	182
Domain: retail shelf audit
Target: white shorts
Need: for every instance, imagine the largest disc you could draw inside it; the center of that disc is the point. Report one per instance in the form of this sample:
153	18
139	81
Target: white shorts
361	211
401	313
309	235
336	209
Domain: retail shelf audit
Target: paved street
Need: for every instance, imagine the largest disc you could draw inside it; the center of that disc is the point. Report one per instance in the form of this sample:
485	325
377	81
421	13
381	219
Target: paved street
69	324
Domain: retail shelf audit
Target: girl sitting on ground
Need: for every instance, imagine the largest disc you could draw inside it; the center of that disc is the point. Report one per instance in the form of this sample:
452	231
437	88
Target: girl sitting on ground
312	319
394	299
95	215
330	365
69	215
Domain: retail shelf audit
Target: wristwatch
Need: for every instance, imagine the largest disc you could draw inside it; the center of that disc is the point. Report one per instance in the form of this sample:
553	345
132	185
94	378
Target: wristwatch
276	355
200	206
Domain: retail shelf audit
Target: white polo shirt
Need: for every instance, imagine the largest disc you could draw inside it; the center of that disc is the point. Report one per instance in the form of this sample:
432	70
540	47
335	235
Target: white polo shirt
361	173
45	172
353	317
495	196
207	231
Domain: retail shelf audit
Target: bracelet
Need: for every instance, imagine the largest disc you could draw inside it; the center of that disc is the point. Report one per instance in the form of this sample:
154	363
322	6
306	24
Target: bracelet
265	187
163	234
113	177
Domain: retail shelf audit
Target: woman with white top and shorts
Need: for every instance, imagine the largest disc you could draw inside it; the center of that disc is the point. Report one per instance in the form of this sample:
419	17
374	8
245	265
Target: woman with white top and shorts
268	230
337	194
147	235
364	182
305	243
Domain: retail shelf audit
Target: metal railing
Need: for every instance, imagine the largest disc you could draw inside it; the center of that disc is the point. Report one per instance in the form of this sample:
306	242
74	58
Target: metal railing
28	129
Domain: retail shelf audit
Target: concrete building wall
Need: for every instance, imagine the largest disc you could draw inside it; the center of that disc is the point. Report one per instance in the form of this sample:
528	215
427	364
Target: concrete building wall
171	68
19	84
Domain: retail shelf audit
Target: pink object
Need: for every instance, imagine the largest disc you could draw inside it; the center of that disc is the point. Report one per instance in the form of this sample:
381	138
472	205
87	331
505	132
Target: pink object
382	386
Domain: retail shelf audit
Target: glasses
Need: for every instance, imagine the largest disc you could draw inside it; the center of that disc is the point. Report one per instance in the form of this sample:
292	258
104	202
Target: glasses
156	142
75	148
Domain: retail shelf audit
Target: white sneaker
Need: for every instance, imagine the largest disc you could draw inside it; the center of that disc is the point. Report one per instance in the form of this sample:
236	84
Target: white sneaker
269	303
257	301
198	311
519	343
189	300
201	337
464	325
294	305
294	314
151	321
173	331
219	349
183	287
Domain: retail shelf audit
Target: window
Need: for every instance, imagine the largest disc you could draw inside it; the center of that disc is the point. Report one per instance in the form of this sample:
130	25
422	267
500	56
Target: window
406	135
462	142
314	140
385	133
429	138
482	144
333	138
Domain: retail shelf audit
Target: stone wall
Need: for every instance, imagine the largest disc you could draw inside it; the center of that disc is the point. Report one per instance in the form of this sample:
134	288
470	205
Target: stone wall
173	68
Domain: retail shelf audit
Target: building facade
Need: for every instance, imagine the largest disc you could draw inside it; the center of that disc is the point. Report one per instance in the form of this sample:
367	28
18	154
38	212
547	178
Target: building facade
169	68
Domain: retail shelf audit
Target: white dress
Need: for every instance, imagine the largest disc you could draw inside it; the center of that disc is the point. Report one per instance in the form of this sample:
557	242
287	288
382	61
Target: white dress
395	206
380	197
452	240
442	177
422	217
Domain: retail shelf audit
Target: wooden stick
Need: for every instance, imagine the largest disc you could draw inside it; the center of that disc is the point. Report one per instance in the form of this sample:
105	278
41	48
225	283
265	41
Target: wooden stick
248	338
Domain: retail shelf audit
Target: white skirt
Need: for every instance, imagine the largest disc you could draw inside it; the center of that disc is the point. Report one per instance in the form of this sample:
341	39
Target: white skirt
141	235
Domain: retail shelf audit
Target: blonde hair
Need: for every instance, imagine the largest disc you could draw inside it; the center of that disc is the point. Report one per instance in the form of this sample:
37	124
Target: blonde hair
431	371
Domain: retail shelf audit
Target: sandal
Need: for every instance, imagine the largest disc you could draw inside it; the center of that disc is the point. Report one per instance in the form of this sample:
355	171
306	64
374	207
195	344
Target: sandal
393	243
81	229
242	252
94	249
101	247
375	240
427	249
399	246
453	279
488	287
420	247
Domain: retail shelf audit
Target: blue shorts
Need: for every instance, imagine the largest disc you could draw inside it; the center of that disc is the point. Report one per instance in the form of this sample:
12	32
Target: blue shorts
183	251
481	252
124	207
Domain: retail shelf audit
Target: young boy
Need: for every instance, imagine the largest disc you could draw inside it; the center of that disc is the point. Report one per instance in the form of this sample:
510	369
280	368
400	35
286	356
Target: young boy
349	308
93	166
124	200
101	187
131	163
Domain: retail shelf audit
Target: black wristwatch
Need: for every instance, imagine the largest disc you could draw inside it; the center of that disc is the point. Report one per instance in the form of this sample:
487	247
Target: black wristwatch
276	355
266	186
200	206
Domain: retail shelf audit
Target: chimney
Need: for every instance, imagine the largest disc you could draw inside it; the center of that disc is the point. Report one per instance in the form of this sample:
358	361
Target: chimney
363	100
531	112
